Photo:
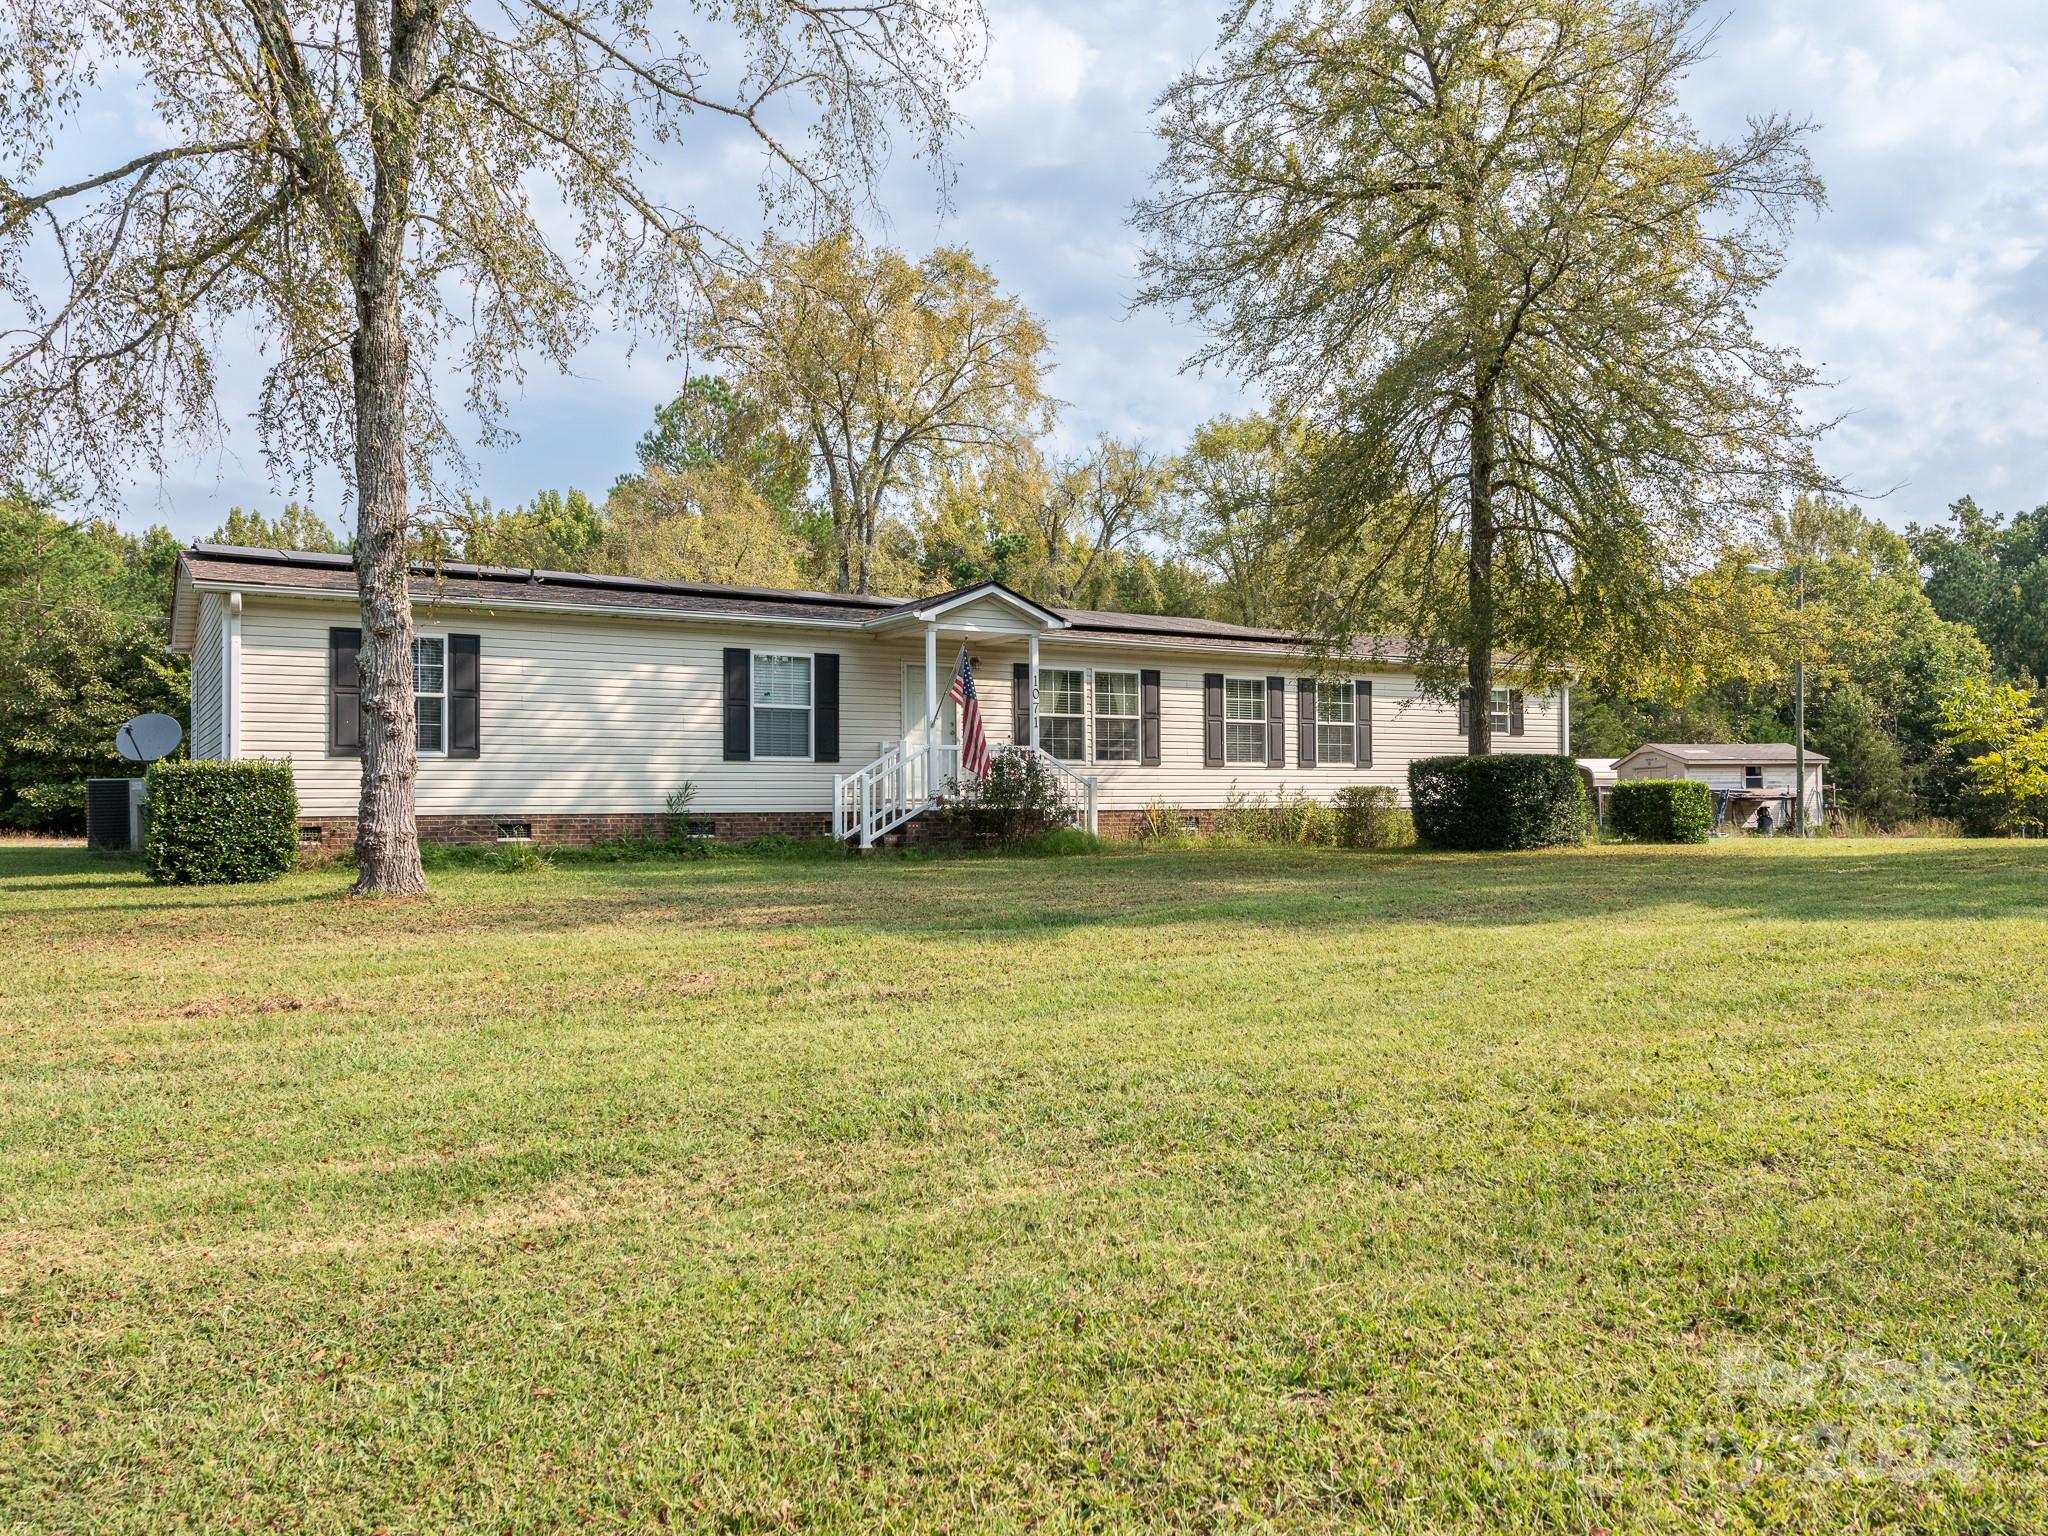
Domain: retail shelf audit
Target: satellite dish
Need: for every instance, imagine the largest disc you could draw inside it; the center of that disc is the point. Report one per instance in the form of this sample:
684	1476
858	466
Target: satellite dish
148	737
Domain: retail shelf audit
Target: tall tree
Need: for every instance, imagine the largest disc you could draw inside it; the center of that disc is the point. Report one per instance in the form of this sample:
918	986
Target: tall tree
358	182
556	531
697	524
887	369
1480	243
1097	506
296	527
82	612
1230	493
710	425
1991	573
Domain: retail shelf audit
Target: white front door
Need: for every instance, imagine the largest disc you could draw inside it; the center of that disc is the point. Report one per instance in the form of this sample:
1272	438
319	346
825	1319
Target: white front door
913	709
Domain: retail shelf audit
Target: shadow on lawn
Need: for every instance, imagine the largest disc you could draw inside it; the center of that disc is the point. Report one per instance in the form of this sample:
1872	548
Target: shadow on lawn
1254	888
1297	890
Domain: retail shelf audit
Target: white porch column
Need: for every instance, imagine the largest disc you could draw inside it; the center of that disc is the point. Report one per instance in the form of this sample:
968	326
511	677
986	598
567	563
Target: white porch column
1564	720
1031	682
931	707
231	681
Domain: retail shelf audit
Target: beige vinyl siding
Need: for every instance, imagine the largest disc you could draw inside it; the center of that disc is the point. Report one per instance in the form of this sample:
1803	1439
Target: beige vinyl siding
1405	725
579	715
593	714
206	674
985	615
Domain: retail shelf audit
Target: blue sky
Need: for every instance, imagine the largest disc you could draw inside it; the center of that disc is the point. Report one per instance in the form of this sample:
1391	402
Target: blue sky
1922	291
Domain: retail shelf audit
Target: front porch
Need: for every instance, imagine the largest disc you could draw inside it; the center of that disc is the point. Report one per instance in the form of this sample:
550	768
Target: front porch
997	628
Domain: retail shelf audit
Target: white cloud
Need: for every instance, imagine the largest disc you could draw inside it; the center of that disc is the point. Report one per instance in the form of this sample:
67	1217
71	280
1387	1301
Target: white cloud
1923	291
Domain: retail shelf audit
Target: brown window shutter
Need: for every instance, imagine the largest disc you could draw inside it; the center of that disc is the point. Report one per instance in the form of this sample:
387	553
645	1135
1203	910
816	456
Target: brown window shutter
825	707
465	696
1516	724
344	694
1148	719
1212	719
1364	715
1276	722
1305	734
1020	703
1464	711
739	688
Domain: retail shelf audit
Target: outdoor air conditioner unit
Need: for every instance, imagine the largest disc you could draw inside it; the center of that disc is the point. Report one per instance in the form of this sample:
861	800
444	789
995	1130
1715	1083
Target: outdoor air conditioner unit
113	814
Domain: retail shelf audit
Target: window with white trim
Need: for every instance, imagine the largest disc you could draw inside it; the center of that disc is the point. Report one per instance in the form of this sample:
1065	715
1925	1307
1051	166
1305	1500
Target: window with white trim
1244	720
1503	711
1116	717
430	693
782	706
1336	723
1063	713
1753	776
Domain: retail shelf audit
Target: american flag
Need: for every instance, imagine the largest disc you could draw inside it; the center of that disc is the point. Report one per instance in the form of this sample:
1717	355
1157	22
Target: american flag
973	739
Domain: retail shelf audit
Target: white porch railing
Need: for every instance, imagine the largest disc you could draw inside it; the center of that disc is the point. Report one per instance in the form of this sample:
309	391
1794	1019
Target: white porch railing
1082	787
879	798
904	780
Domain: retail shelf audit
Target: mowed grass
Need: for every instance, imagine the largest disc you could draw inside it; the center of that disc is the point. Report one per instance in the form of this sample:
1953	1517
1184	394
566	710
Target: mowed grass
1622	1190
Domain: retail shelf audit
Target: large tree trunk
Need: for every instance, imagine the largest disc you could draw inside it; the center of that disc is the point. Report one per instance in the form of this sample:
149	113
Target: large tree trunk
1479	584
387	832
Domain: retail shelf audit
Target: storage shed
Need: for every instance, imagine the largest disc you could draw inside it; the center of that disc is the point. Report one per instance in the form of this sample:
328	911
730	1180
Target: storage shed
1753	781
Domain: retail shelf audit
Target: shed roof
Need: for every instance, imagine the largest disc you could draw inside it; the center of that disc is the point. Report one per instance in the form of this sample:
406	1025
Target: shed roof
1716	754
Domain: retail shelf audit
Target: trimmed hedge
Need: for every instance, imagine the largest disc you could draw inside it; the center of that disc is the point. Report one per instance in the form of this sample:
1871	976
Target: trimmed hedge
221	823
1497	802
1661	810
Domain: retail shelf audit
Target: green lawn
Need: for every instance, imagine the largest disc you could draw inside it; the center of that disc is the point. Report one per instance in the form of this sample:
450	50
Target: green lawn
1624	1189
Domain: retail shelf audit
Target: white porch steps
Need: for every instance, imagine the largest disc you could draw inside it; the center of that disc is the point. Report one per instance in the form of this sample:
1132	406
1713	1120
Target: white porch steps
905	781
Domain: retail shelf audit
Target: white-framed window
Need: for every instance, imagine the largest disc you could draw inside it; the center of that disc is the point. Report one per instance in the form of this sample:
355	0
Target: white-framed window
430	693
1116	717
1244	720
1753	776
782	705
1336	723
1503	711
1063	713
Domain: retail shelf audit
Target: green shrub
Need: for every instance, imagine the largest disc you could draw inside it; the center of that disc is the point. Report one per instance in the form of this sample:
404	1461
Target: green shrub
1018	799
1497	802
1370	816
1661	810
221	823
1302	821
1162	824
518	856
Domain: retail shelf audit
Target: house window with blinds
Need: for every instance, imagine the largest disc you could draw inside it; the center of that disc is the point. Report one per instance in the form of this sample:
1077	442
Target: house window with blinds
782	706
1244	721
1503	711
1063	713
1116	717
430	693
1336	723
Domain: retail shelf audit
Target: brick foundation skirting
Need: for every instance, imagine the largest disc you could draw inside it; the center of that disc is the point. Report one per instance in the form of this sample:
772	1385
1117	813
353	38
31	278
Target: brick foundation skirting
336	834
1119	825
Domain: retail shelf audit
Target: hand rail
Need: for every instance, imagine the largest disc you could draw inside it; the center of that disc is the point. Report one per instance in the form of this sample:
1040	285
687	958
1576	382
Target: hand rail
1084	787
875	800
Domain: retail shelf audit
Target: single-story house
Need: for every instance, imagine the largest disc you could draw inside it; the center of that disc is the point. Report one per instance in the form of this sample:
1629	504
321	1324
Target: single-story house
565	706
1752	781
